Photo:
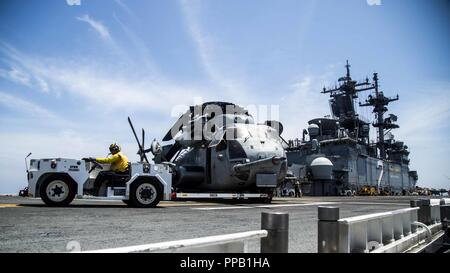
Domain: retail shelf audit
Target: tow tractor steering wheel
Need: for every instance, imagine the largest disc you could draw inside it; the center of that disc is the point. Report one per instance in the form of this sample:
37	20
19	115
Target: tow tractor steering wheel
95	165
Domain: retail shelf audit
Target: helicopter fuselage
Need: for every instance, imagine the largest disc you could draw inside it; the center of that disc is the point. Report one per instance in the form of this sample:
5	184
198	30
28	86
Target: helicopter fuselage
233	164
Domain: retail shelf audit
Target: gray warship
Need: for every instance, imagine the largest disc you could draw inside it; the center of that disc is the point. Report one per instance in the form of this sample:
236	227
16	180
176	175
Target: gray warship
335	155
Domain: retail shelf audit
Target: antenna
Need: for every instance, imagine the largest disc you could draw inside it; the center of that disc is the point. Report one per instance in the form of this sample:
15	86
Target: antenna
342	101
379	104
26	163
347	66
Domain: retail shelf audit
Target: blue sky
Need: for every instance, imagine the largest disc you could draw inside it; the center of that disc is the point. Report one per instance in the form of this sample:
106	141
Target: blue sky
71	74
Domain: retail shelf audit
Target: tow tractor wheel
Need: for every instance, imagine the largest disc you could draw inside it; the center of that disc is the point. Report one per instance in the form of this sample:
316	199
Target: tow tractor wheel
57	191
145	194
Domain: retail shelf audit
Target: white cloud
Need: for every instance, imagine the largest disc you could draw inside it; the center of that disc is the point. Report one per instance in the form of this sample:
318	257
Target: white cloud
125	8
431	114
144	57
19	74
111	92
43	85
97	26
18	104
105	89
208	56
16	75
424	127
302	102
373	2
202	41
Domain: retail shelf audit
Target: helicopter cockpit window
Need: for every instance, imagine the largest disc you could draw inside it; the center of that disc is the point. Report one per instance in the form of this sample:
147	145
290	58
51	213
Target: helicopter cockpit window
222	145
271	133
236	150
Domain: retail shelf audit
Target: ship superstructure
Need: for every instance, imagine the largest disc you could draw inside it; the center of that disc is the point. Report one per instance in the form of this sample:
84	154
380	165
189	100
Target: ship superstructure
359	165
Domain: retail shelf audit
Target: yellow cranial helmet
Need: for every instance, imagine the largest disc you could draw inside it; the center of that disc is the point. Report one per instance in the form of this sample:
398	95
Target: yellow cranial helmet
114	148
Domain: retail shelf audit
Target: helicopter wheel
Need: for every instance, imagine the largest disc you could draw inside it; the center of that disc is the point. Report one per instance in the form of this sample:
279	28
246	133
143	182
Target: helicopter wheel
266	200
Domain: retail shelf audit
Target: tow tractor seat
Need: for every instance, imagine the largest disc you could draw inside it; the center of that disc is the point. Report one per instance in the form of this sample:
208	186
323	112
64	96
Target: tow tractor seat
120	179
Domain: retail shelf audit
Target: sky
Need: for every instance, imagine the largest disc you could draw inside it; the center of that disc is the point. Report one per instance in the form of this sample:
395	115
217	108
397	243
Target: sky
71	71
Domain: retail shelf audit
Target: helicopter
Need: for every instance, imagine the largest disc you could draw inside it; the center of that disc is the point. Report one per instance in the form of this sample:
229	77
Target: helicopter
218	147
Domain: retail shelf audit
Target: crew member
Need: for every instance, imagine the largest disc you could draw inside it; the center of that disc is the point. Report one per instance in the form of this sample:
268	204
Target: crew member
118	161
297	189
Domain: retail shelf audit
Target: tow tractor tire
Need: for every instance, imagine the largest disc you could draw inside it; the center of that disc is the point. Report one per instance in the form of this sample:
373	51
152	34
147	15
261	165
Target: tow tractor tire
145	194
57	191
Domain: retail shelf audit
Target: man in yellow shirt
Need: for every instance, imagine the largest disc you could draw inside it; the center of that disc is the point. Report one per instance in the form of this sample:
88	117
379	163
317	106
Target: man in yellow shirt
118	161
